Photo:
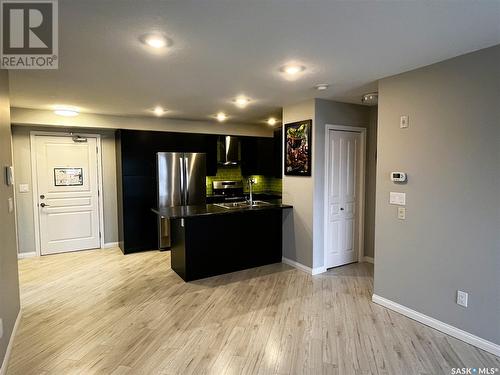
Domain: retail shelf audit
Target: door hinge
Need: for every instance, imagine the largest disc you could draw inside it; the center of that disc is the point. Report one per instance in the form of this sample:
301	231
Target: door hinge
96	150
100	235
98	193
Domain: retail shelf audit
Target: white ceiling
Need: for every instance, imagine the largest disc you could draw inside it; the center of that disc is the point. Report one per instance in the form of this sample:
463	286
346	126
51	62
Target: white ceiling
223	48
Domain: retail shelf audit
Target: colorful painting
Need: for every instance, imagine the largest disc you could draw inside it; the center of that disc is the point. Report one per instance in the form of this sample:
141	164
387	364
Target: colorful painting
298	148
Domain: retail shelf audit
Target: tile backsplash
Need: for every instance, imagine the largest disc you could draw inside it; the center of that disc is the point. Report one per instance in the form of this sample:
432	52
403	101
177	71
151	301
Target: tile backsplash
264	184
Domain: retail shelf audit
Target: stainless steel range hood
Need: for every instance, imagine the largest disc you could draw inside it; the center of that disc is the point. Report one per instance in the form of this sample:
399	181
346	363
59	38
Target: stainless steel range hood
228	152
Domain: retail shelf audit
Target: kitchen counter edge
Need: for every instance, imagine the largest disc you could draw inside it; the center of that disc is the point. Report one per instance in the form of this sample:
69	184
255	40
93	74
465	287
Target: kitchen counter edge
181	212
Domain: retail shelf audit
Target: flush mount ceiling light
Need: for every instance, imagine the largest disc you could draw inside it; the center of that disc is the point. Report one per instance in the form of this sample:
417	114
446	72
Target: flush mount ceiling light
159	111
241	101
272	121
155	40
370	98
322	86
221	116
66	111
292	70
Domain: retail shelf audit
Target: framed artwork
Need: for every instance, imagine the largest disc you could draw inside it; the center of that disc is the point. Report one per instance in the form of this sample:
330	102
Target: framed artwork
298	148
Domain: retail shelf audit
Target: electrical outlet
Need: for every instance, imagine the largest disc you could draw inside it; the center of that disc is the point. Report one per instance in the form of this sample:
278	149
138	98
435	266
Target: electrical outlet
1	328
462	298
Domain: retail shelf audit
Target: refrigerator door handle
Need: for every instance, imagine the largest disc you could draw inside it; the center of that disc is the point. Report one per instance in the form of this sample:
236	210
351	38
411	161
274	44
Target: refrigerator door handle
186	191
182	180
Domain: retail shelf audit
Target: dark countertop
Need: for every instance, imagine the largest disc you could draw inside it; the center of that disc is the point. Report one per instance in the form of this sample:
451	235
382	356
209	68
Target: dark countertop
260	194
211	209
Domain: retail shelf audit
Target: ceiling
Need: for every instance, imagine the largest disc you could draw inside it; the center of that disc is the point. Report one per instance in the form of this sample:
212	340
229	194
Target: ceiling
223	48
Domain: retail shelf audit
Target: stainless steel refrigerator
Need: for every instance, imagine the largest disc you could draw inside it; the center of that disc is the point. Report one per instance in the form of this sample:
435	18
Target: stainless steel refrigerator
181	182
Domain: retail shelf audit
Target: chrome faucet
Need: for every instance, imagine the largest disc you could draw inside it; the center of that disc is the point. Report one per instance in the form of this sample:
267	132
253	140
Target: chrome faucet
251	181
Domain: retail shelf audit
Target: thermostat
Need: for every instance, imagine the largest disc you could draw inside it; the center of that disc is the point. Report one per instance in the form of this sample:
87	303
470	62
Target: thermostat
398	176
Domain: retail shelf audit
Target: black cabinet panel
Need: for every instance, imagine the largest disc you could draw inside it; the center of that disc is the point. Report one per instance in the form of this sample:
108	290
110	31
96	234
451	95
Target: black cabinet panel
212	245
278	153
257	156
140	230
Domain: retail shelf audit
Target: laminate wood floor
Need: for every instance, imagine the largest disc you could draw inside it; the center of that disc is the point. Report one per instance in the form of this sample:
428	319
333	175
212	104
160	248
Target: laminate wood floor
99	312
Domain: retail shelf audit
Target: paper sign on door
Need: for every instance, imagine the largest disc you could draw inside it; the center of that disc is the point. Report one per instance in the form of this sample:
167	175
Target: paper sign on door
68	176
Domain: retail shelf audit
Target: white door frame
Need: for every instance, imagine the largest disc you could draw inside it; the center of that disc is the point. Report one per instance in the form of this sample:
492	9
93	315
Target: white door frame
34	182
361	188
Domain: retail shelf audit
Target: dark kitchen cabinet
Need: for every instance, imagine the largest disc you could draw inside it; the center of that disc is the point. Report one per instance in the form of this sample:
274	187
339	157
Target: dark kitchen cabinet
136	179
258	156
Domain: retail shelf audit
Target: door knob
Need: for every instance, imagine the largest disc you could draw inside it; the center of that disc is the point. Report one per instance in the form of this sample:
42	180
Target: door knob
44	205
341	208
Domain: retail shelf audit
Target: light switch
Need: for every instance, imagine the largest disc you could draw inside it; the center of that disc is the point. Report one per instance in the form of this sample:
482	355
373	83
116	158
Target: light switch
11	205
404	122
401	213
24	188
397	198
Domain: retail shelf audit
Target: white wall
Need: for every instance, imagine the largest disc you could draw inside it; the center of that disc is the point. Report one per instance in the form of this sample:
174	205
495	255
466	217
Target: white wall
450	239
298	191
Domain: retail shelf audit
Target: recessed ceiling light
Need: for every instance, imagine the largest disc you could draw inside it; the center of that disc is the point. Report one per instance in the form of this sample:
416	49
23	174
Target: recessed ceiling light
272	121
66	111
322	86
241	101
292	69
221	116
159	111
155	40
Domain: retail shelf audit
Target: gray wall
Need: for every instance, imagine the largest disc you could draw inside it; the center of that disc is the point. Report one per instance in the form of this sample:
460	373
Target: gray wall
328	112
22	165
451	152
370	183
9	282
303	227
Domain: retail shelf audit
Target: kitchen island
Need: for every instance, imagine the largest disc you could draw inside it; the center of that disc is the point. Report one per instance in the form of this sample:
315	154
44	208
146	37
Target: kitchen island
209	240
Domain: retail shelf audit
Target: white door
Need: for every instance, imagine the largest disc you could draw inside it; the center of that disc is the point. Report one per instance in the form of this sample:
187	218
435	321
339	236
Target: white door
343	167
67	188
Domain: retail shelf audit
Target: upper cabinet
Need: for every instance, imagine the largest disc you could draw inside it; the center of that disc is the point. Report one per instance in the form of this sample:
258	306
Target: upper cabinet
259	156
139	149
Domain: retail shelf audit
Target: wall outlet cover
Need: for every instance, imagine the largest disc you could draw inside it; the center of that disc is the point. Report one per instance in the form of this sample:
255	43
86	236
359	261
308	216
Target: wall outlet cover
404	121
397	198
462	298
24	188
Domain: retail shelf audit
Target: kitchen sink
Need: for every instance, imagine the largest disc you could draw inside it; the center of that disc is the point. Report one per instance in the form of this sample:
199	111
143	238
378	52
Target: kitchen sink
235	205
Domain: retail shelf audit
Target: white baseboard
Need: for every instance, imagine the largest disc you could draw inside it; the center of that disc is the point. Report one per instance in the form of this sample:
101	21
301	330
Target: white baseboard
318	270
300	266
109	245
26	255
467	337
368	260
5	364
